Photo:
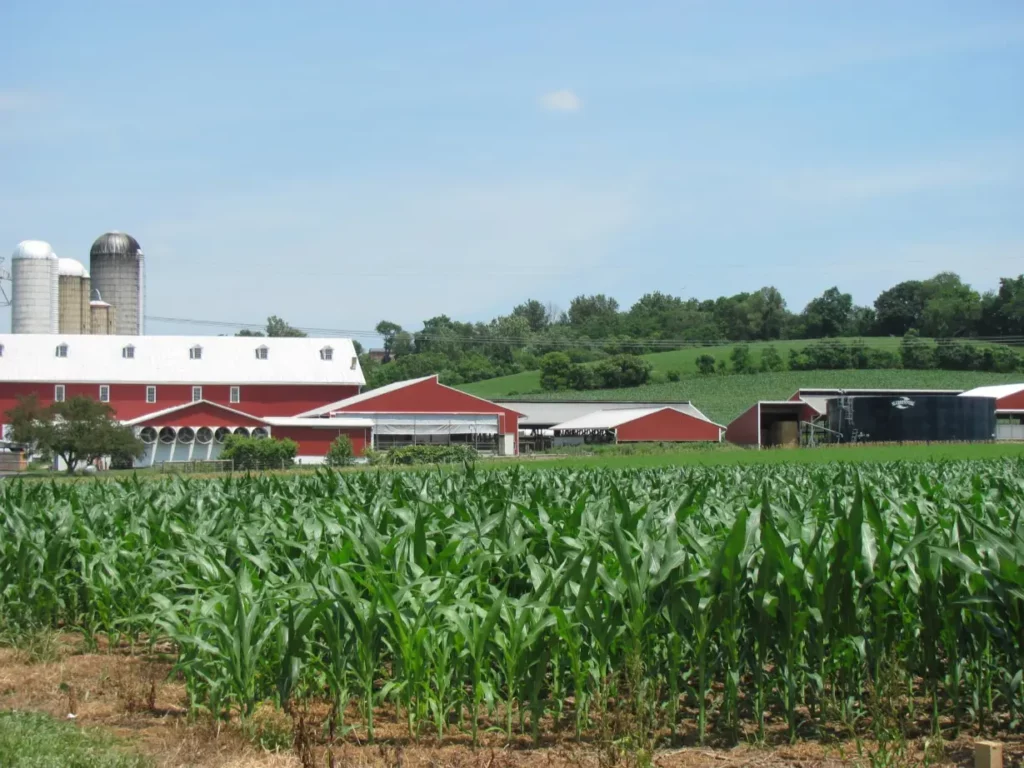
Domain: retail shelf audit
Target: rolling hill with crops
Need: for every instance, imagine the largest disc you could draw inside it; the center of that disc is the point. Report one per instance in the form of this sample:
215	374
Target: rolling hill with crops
723	397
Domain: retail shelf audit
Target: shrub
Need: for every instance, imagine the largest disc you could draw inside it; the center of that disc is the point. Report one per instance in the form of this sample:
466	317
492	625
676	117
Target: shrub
706	364
915	352
829	355
259	453
340	453
582	377
722	366
878	359
555	368
673	376
422	454
957	356
999	359
771	360
740	359
622	371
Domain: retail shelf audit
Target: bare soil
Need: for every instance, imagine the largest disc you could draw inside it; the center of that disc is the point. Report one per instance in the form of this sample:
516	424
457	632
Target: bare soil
135	698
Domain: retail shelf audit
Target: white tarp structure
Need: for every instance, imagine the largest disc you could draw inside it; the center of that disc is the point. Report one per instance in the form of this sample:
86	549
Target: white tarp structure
432	424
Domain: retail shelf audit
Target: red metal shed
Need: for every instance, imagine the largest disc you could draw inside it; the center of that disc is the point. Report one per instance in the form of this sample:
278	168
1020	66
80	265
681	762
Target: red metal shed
634	425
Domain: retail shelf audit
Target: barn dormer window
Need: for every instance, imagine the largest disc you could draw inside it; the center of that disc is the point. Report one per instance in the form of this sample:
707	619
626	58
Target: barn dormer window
1	350
196	353
327	353
355	362
128	353
262	353
62	350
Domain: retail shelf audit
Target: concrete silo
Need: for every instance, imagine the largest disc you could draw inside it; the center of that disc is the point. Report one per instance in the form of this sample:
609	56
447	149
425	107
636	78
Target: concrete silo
118	273
75	293
35	300
102	320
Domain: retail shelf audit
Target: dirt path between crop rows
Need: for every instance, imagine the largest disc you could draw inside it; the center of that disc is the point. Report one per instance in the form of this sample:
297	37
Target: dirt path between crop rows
135	700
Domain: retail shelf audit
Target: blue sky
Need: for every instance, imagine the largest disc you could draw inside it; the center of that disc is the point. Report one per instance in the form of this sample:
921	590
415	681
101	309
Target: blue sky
342	163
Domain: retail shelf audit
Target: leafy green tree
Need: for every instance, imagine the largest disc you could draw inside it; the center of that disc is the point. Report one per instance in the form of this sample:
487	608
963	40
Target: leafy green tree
706	364
340	454
740	359
594	316
276	327
76	430
535	314
388	331
555	369
1003	311
771	360
951	307
828	315
767	315
623	371
899	308
915	352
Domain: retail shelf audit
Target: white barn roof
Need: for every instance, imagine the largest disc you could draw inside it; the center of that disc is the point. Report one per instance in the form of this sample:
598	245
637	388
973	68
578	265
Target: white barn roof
546	413
168	360
998	391
610	419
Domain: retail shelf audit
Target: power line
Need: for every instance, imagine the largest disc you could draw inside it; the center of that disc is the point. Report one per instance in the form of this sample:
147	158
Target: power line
631	343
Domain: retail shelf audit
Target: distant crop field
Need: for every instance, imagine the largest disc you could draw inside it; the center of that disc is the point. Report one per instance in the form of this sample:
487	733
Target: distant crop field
730	455
723	398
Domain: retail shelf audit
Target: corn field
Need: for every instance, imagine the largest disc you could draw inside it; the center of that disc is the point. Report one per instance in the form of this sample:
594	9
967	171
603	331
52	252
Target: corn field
700	602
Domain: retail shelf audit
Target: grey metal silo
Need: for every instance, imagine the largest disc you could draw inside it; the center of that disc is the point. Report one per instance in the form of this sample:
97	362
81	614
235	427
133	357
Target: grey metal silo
118	273
34	304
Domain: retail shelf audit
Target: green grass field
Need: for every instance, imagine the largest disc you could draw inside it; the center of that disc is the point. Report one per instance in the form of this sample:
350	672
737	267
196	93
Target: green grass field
723	398
733	456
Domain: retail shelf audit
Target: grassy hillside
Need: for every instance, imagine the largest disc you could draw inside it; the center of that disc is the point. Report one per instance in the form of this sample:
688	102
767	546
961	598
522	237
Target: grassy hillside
682	360
723	398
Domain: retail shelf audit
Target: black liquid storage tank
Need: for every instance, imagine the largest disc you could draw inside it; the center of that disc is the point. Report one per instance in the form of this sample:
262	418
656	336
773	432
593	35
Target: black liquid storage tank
912	419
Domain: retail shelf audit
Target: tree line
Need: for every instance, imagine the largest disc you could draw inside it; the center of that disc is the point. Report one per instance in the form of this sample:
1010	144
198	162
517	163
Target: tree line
595	327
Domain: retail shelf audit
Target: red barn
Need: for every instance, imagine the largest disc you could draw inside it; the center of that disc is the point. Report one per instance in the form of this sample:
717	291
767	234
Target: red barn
424	411
1009	408
635	425
183	394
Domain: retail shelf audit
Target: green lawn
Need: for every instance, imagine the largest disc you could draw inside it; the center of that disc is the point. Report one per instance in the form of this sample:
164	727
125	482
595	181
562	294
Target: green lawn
822	455
723	398
35	740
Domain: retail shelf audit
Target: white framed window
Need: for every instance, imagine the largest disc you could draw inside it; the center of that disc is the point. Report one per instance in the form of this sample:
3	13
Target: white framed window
58	393
1	350
128	353
262	353
236	395
104	393
197	394
151	394
62	350
327	353
195	353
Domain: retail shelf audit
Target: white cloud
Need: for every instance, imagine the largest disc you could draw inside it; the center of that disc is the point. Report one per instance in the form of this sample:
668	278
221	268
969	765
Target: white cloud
561	101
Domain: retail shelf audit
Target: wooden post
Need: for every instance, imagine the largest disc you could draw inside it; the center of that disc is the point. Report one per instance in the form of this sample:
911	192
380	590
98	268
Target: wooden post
988	754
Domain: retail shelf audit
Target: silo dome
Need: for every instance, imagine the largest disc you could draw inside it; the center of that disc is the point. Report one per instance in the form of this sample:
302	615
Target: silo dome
115	243
71	268
117	265
33	249
34	281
